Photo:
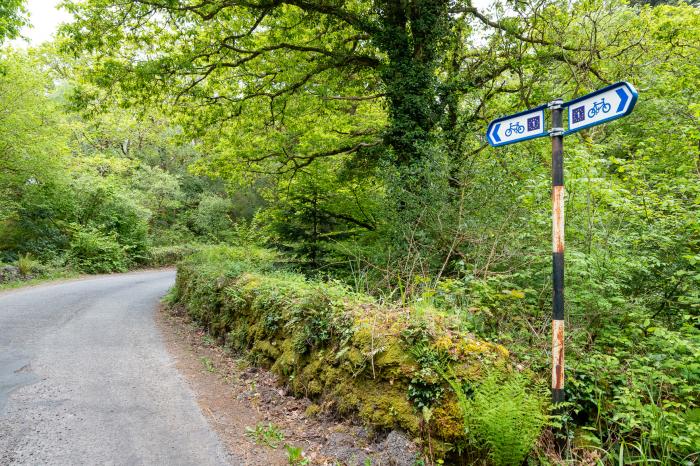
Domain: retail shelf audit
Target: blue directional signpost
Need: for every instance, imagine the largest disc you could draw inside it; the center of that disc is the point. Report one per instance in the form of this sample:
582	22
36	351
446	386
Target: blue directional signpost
609	103
601	106
516	128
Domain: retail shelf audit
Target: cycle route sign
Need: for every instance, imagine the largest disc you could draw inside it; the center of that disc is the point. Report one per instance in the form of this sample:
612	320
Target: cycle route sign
601	106
606	104
518	127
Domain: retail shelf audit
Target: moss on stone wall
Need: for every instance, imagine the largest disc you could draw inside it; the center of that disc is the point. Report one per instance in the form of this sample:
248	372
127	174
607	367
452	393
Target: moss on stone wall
341	349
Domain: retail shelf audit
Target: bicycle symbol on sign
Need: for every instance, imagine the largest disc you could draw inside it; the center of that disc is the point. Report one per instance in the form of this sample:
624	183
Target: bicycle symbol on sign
598	107
515	127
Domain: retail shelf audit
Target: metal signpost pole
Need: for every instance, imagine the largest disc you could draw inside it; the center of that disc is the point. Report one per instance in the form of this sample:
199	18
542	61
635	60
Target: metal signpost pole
557	135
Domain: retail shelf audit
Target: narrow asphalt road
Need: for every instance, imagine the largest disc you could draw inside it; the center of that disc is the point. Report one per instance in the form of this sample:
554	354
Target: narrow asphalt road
86	380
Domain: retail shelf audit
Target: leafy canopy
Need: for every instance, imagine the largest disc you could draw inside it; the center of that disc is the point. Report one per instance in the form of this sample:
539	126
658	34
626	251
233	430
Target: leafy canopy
12	18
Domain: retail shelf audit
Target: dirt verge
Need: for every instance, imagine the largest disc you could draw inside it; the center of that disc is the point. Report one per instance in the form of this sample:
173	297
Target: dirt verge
237	398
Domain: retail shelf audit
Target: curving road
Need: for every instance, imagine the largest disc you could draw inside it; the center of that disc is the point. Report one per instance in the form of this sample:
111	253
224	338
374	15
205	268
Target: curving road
86	380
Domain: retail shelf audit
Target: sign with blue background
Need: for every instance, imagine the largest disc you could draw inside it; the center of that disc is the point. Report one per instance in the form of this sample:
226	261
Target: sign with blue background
518	127
603	105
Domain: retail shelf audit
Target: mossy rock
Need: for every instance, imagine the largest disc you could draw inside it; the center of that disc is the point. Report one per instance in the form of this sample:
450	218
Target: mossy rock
447	421
237	339
218	327
313	388
355	357
363	339
346	399
395	354
287	360
385	406
331	376
395	361
313	410
266	349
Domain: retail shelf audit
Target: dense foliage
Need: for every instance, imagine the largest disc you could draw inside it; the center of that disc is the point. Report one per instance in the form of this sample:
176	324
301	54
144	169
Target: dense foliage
95	191
349	137
12	18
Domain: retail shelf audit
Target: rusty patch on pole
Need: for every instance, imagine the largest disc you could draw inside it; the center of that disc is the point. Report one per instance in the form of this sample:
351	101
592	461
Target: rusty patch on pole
557	354
557	218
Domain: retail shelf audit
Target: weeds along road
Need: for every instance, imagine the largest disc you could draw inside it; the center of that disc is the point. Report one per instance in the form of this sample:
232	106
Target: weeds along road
85	378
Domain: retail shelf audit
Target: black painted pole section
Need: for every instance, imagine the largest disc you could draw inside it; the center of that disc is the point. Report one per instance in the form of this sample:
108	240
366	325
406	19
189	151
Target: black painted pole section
557	135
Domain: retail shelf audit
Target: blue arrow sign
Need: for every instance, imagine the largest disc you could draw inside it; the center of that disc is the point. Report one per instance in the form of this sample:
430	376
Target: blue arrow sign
517	127
603	105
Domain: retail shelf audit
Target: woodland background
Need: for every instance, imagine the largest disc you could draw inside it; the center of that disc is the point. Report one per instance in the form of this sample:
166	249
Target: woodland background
349	137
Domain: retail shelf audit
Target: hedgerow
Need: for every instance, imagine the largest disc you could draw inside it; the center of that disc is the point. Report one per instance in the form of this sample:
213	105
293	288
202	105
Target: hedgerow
356	357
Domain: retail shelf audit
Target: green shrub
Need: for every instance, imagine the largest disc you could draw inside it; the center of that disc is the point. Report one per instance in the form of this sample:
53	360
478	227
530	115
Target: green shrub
128	222
632	379
250	231
93	251
176	234
108	208
27	265
230	260
162	256
213	217
640	386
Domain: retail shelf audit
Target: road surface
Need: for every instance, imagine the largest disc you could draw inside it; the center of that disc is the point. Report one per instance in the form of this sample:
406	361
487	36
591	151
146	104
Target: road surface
86	380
